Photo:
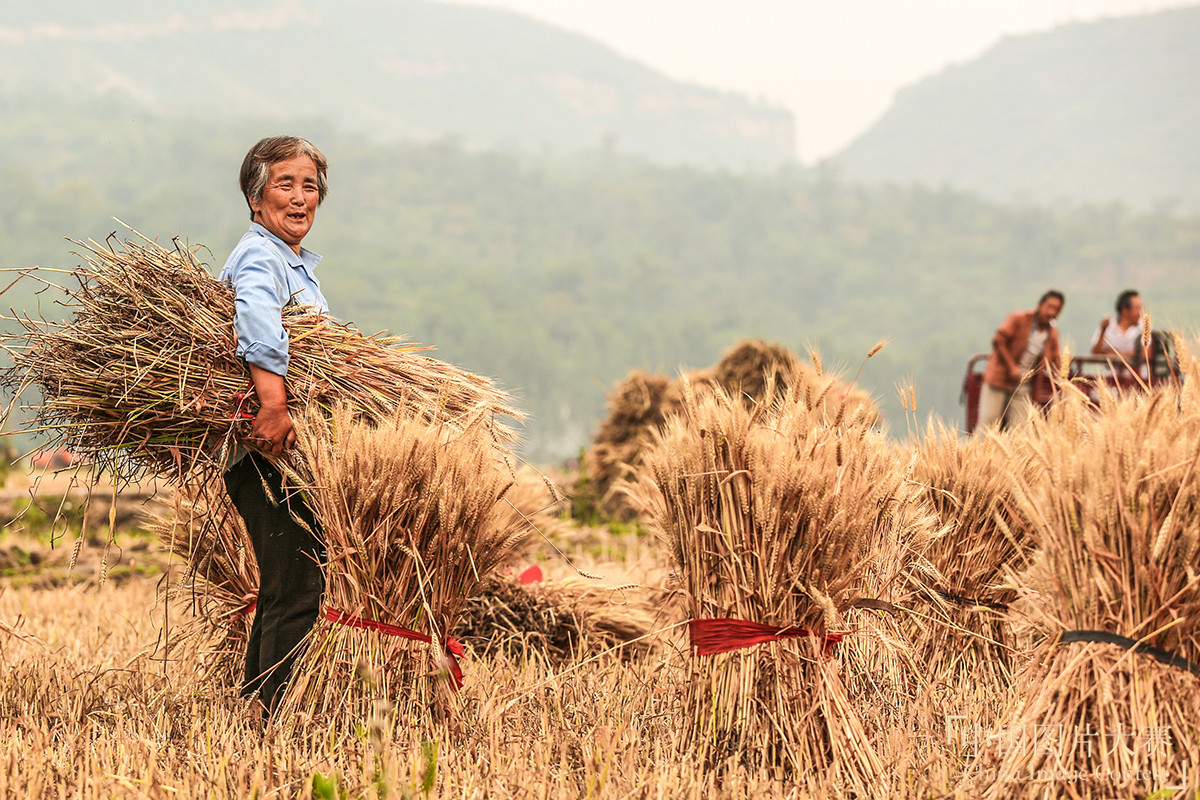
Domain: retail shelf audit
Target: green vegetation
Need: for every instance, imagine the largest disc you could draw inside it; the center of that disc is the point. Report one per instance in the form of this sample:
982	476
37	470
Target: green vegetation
558	276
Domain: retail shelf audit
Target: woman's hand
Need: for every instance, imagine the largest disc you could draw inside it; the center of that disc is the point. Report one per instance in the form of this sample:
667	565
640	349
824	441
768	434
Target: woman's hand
272	431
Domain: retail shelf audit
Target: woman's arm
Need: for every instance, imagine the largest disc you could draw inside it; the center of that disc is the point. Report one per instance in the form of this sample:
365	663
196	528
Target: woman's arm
272	431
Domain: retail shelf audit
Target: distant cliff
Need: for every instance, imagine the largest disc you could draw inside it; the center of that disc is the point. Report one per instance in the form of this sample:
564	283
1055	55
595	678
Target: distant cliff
389	69
1098	111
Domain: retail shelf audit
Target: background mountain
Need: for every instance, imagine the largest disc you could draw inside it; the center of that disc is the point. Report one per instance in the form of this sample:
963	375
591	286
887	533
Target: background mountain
1099	111
389	69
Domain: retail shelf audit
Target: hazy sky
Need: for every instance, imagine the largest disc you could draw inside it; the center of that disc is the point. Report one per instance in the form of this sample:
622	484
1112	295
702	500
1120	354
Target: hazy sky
834	63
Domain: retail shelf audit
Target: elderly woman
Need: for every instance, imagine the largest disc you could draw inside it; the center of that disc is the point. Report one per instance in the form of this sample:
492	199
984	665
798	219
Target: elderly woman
283	181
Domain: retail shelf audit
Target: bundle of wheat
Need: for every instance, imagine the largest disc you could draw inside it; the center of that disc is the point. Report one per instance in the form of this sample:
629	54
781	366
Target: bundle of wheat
219	585
637	407
759	372
1111	705
512	617
964	628
747	370
411	515
144	377
770	517
756	372
889	682
555	620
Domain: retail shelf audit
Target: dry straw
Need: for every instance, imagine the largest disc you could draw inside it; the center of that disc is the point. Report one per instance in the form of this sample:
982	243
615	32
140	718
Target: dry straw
754	372
770	516
889	679
1117	517
143	376
412	516
556	621
219	584
757	372
637	406
965	631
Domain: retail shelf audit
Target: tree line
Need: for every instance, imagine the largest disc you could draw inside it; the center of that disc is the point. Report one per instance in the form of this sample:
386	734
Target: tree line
558	275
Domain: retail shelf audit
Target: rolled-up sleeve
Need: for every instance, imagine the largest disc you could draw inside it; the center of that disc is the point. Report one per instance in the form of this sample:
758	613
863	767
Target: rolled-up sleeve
259	297
1007	330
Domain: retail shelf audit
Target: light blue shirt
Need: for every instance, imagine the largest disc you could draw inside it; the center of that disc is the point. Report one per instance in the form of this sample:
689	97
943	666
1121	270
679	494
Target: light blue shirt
267	275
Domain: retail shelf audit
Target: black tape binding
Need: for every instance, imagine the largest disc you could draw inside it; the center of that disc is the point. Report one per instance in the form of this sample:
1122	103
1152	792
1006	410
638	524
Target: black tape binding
1157	653
877	605
967	602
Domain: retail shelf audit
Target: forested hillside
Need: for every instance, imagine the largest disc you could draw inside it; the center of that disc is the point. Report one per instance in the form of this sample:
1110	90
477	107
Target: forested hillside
390	69
1097	111
558	276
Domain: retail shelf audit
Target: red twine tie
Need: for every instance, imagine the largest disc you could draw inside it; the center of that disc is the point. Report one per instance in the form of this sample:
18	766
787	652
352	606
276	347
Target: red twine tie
453	649
239	402
712	636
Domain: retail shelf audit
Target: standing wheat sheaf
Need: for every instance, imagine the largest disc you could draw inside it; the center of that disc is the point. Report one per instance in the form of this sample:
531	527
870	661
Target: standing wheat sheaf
413	521
1111	700
219	584
776	542
754	372
964	632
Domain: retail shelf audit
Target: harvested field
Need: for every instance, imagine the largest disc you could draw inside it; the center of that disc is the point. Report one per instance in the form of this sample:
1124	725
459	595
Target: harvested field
95	705
1007	617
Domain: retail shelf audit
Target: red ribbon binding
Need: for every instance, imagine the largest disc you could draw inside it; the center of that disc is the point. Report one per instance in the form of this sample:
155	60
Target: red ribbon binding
453	649
239	400
712	636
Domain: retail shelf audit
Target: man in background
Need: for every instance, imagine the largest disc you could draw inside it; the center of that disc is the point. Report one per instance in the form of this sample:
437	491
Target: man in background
1025	342
1122	338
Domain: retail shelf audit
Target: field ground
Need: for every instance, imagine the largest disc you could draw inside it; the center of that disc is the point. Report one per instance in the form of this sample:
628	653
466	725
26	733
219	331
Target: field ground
94	702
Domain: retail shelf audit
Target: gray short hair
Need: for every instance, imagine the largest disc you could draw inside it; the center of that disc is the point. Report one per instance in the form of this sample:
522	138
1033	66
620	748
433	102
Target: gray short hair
256	166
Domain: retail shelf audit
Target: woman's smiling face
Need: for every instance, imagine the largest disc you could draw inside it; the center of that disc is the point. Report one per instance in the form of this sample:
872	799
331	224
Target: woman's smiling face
289	201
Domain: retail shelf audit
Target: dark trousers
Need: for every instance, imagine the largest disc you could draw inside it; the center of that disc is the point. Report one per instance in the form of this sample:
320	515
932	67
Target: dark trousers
291	582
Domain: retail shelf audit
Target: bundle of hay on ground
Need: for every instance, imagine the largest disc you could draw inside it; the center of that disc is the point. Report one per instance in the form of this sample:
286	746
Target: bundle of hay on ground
555	620
759	372
637	407
143	377
755	372
410	512
219	585
964	631
1112	702
770	517
752	368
